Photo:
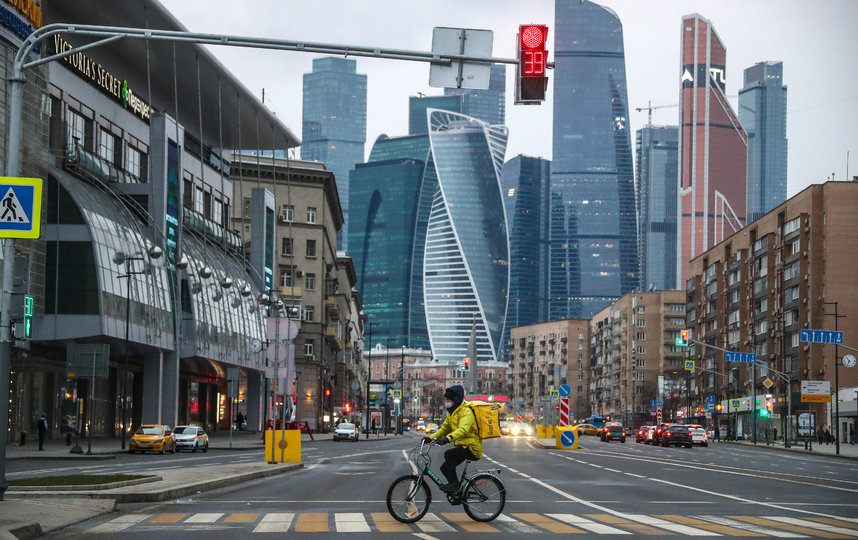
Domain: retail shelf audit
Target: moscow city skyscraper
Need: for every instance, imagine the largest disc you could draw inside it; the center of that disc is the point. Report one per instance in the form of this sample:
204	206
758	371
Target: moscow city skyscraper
593	229
488	105
334	123
762	113
657	180
712	144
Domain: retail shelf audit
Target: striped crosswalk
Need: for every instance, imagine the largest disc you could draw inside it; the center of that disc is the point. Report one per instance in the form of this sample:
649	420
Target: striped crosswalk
511	523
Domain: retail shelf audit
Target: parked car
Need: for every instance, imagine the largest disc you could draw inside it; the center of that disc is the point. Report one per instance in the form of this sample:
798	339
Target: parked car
191	438
152	438
613	431
699	436
656	436
676	434
346	432
588	429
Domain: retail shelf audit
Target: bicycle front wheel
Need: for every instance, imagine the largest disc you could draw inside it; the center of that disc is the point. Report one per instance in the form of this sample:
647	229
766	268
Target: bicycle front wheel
484	497
408	498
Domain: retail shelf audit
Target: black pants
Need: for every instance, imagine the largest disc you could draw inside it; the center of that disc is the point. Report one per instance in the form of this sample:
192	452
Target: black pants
452	459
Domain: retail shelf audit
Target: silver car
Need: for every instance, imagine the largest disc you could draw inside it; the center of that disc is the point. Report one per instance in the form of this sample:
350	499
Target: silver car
191	438
346	432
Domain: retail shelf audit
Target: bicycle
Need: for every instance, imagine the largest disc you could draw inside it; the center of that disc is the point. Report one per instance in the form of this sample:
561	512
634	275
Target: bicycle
482	494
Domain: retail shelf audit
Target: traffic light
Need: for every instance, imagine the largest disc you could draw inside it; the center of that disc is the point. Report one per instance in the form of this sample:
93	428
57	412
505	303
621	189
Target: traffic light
531	81
348	407
769	405
718	407
467	365
327	392
682	340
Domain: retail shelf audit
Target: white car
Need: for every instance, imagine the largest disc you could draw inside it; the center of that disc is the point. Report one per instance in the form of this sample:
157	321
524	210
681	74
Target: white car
191	438
520	429
698	436
346	432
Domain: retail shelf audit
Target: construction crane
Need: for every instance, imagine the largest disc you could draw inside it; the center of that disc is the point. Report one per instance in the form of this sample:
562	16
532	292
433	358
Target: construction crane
650	107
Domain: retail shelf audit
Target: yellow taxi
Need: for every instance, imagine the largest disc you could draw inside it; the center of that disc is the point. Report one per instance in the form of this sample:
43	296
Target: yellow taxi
588	429
153	438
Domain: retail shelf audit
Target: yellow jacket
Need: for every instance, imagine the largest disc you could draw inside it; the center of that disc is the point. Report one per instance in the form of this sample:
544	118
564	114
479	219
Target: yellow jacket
461	428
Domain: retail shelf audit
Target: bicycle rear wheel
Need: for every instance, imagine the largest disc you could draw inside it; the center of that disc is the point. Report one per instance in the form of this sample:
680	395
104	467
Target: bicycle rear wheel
406	500
484	497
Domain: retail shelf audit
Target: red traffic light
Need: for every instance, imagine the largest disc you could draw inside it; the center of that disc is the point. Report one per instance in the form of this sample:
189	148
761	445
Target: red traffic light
327	392
348	407
531	81
467	363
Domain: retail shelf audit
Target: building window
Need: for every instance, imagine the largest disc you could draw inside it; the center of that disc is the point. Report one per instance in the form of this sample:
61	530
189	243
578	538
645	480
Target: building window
311	215
76	129
286	246
107	146
308	349
310	282
640	362
796	246
791	271
246	211
791	294
642	335
311	248
792	225
287	277
794	339
641	309
641	323
640	349
288	210
309	314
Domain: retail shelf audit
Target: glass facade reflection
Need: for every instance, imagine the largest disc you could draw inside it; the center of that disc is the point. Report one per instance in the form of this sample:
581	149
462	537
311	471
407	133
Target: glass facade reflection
334	123
593	247
466	265
657	179
487	105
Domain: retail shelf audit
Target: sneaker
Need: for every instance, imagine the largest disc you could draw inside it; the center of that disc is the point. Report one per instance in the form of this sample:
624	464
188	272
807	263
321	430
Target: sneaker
450	488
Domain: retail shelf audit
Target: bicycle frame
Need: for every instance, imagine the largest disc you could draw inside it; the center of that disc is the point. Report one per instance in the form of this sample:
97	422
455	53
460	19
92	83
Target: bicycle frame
426	471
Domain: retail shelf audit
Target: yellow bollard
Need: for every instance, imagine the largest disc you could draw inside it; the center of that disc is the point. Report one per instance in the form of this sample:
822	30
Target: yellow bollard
540	431
287	446
566	438
549	432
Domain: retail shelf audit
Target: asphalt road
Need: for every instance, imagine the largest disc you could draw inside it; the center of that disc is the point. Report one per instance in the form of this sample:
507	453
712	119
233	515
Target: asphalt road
608	490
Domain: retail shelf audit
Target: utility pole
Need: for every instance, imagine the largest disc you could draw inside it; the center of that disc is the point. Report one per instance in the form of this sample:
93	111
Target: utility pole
837	317
368	379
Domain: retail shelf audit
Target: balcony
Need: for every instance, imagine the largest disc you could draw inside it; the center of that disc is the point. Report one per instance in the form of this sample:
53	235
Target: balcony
332	338
291	292
331	305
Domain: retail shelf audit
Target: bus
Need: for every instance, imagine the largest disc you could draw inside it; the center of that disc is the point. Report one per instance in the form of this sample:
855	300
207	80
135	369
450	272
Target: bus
598	421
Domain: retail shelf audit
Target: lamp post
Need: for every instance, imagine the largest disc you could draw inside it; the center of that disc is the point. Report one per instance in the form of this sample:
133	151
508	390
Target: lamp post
121	258
837	317
368	375
386	379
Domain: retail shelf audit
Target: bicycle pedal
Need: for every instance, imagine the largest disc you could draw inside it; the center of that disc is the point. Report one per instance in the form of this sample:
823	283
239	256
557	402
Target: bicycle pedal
453	500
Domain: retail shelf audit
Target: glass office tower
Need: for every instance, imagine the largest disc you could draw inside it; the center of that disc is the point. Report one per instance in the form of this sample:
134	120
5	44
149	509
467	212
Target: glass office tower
334	123
487	105
593	246
466	265
762	113
657	180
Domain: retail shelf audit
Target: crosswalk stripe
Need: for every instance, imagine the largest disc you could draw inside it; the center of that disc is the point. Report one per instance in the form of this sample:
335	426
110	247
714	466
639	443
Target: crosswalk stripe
721	520
547	523
723	529
587	524
203	518
838	522
384	522
167	518
312	522
241	518
674	527
637	527
788	527
351	522
432	523
275	522
120	523
814	525
463	521
522	528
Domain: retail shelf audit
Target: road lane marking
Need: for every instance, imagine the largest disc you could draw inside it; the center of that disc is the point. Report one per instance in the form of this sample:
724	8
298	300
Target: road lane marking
545	522
786	526
637	527
351	522
312	522
814	525
842	522
275	522
520	527
723	529
721	520
203	518
670	526
588	524
432	523
167	518
384	522
466	523
241	518
120	524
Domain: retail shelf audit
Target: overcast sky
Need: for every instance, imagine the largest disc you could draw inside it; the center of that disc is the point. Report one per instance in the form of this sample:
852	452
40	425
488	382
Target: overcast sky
817	42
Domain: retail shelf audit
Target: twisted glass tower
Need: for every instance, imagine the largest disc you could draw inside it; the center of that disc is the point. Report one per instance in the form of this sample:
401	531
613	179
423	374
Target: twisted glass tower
466	253
593	231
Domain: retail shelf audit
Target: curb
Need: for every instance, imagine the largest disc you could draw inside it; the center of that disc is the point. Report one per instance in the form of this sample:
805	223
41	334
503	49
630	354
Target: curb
87	487
40	457
163	494
793	450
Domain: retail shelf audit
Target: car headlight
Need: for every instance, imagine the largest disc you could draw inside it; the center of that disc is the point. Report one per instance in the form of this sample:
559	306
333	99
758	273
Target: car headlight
528	431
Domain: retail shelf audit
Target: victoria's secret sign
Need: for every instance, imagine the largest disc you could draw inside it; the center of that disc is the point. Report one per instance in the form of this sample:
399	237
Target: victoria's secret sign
116	87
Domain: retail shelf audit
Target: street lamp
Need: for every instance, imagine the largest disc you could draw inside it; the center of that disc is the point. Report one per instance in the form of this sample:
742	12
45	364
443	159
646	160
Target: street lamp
368	371
121	258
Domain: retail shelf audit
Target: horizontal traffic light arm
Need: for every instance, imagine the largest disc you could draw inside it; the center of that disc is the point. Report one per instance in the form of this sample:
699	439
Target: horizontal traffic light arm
780	374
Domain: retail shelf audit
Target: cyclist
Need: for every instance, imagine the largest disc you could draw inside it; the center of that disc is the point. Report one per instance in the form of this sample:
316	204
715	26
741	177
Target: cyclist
460	428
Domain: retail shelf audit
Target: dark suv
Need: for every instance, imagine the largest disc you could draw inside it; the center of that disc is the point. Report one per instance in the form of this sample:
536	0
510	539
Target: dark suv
613	431
656	435
676	435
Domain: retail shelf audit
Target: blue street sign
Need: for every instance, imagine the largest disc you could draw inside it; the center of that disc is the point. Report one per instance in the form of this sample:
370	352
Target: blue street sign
652	403
747	358
567	439
659	403
822	336
710	407
20	207
565	390
710	398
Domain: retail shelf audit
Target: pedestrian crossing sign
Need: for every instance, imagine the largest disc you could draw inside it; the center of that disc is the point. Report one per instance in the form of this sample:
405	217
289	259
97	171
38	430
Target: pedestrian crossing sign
20	207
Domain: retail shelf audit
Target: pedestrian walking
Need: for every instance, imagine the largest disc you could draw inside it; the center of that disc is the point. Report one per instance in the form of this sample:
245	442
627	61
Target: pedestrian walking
717	434
43	430
852	434
820	436
827	436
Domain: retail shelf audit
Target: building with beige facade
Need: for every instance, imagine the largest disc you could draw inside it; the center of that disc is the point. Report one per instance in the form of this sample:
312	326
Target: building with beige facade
635	362
791	270
544	356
